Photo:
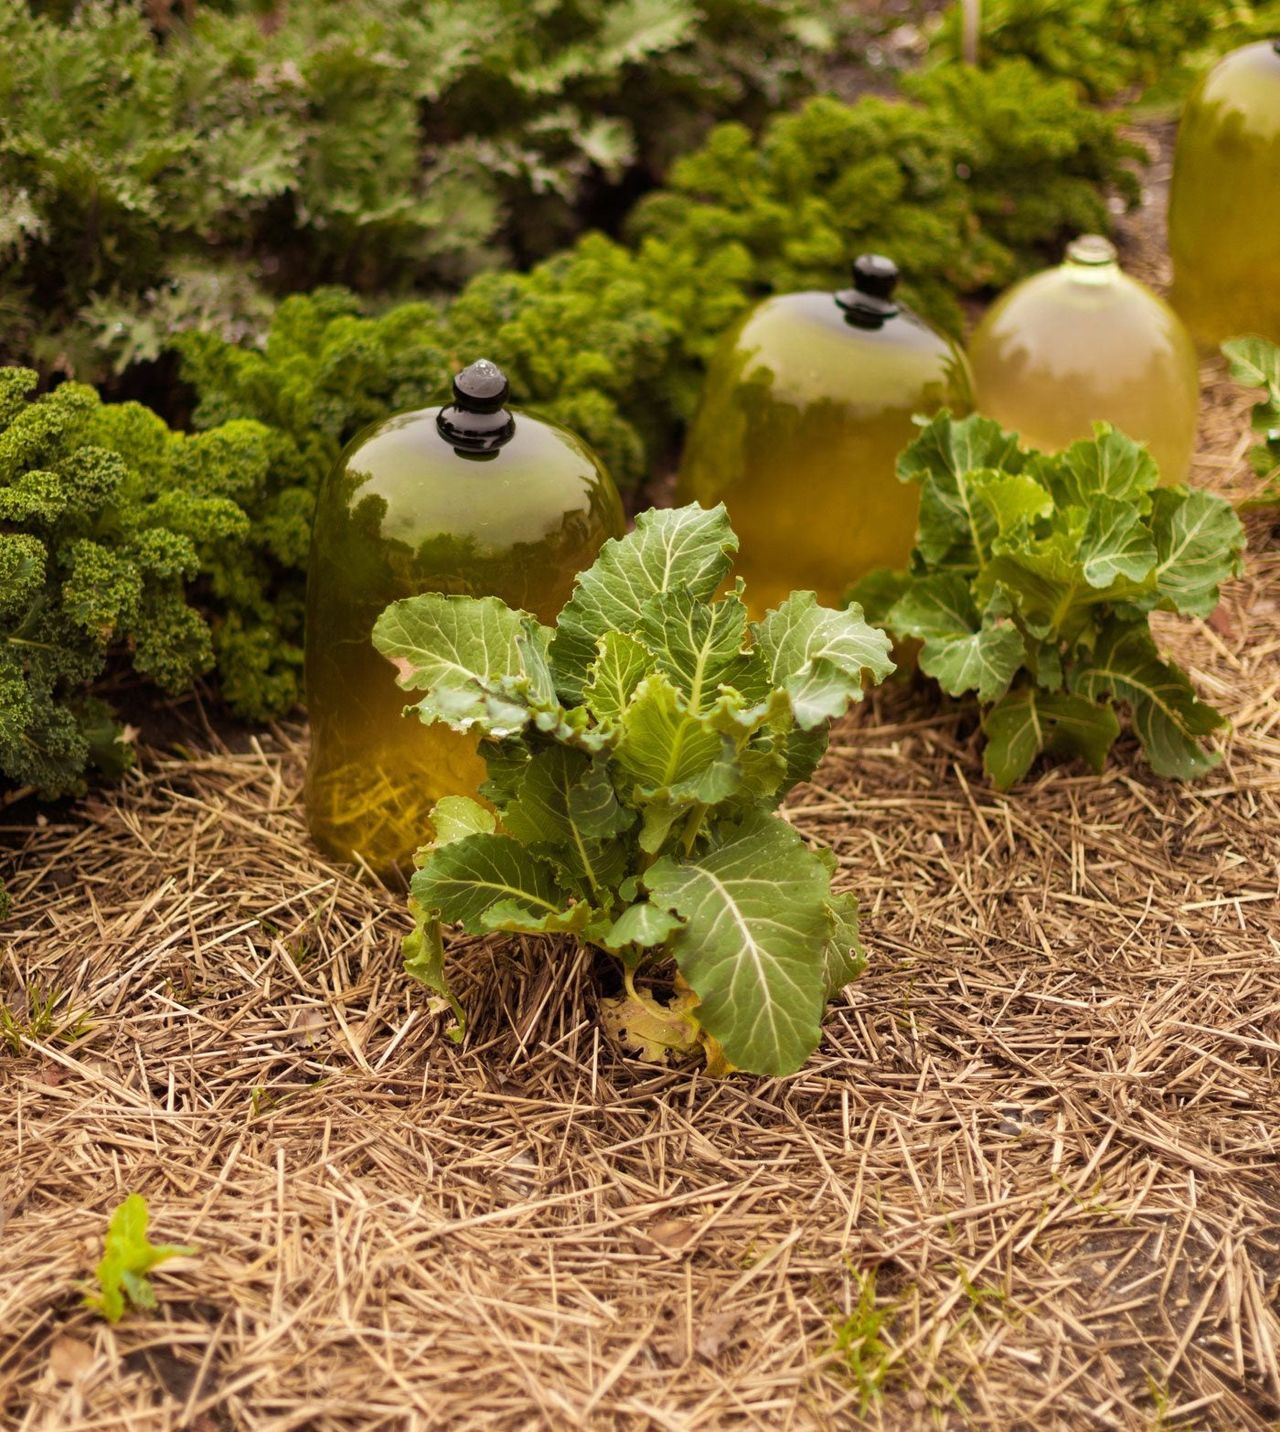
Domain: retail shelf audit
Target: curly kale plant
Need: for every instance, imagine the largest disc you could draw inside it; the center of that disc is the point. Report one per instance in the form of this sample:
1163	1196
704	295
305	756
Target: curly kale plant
1108	49
378	143
107	522
1255	362
637	754
964	186
1031	584
590	338
965	182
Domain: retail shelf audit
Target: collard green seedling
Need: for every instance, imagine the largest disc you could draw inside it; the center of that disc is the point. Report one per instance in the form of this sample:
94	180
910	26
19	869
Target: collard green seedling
637	753
1031	584
129	1255
1255	362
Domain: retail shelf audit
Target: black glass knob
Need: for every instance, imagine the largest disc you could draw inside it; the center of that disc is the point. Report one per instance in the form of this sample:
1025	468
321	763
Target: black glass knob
875	274
869	303
481	388
477	420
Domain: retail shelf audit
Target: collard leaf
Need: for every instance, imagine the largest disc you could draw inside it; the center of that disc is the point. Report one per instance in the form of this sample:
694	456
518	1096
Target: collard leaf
1046	580
564	806
755	907
820	657
1168	717
515	916
985	661
763	772
463	880
936	606
504	762
1010	499
423	952
843	958
652	1031
1255	362
1116	543
957	527
621	665
1199	542
666	750
685	549
877	592
803	752
1029	721
696	643
1108	465
574	727
541	810
480	663
453	817
594	807
644	925
956	524
659	817
949	446
1044	661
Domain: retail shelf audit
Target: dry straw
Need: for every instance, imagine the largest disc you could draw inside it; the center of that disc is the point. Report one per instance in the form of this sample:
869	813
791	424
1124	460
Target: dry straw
1044	1123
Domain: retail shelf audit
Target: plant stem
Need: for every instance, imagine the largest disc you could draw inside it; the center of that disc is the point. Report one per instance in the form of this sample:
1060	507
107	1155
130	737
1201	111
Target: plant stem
692	825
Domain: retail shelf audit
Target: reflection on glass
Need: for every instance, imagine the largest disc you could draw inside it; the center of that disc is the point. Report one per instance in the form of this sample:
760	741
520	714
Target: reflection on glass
402	513
1224	204
1084	342
801	422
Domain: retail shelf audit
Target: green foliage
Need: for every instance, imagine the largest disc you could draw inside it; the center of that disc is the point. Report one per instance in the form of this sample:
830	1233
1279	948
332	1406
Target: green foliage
588	339
128	1256
1255	362
966	182
963	181
379	143
860	1345
1109	49
109	523
611	340
43	1019
1031	584
636	755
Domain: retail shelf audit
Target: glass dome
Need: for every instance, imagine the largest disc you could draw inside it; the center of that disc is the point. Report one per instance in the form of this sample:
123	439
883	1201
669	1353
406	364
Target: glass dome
470	498
1083	342
1224	203
808	402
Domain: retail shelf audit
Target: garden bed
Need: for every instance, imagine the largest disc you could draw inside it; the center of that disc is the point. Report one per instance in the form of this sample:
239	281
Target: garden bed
1039	1136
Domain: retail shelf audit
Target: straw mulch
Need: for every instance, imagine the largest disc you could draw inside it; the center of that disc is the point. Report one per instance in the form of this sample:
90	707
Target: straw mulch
1030	1179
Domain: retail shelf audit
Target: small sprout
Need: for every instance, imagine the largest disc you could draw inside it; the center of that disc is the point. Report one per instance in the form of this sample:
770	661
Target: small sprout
128	1255
41	1024
860	1347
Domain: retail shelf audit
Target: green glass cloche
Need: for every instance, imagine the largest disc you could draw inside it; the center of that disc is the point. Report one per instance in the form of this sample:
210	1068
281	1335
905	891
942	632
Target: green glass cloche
468	497
808	402
1224	201
1085	342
